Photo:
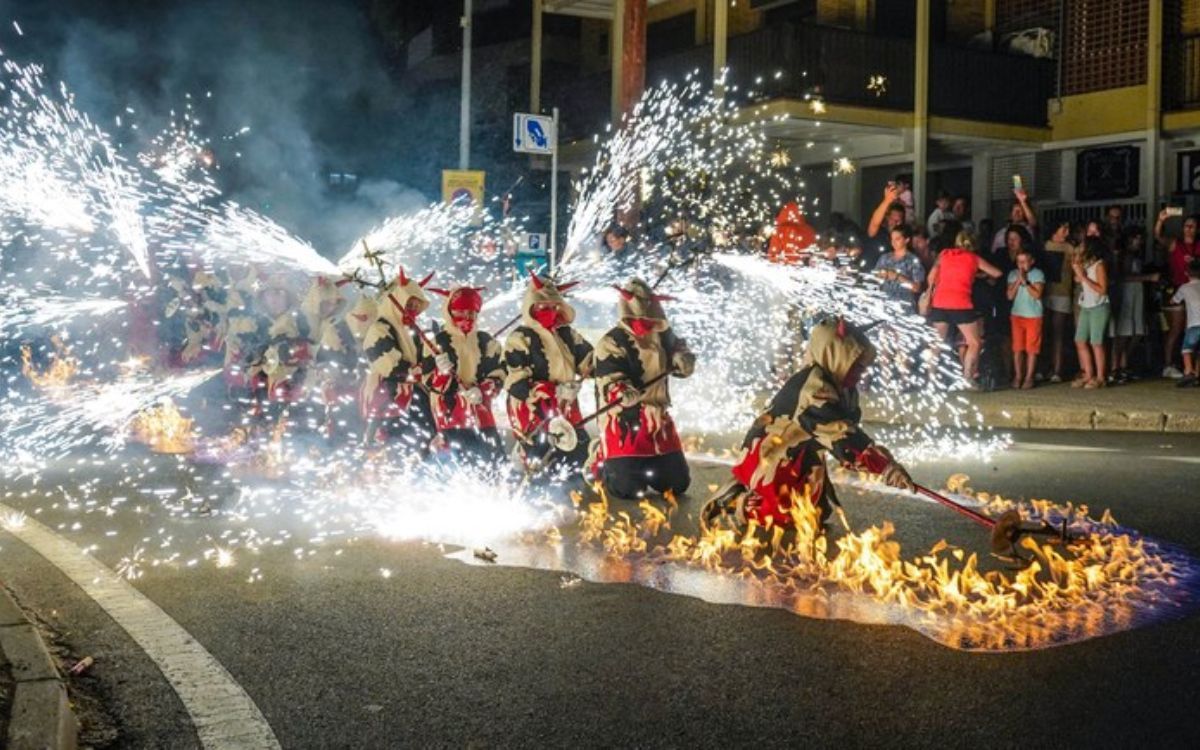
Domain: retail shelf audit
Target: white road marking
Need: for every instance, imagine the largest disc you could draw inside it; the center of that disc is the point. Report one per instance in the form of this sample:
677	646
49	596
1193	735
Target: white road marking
1066	448
222	712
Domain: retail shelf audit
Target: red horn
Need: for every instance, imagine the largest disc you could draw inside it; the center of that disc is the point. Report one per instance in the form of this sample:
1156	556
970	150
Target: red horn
537	283
401	278
628	295
841	328
663	298
442	292
425	280
564	288
342	282
479	288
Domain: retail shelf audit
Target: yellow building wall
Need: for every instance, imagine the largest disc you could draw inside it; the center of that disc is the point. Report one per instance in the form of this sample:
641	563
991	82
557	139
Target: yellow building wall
850	14
965	18
1100	113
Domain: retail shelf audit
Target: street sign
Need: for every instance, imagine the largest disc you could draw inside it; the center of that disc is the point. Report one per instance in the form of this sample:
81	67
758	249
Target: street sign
533	134
534	242
465	185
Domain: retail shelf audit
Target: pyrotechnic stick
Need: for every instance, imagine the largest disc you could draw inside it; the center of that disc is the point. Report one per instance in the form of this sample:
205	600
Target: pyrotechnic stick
429	343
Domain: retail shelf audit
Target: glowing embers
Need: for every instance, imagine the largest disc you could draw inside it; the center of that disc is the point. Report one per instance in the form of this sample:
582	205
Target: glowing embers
164	429
1108	581
57	373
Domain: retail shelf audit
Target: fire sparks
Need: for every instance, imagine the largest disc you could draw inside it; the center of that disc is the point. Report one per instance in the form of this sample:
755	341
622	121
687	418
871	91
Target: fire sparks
58	372
164	429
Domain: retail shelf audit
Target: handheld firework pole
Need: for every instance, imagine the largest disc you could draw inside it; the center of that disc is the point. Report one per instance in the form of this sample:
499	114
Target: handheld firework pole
1006	530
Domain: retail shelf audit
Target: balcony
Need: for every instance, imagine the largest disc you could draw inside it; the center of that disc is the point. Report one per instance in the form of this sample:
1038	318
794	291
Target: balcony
838	65
1181	73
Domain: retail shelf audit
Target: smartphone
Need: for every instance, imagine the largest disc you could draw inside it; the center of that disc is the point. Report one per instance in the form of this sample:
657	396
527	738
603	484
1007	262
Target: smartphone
1174	210
1017	184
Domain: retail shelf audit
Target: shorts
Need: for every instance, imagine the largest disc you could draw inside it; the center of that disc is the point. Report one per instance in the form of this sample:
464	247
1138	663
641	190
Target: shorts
1191	339
953	317
1059	304
1092	324
1026	334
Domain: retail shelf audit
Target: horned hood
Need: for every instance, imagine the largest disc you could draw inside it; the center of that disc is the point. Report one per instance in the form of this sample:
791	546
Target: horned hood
324	289
637	300
836	345
401	291
545	291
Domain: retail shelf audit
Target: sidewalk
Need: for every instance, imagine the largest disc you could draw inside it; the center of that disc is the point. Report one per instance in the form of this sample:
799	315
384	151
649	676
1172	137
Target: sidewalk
1147	406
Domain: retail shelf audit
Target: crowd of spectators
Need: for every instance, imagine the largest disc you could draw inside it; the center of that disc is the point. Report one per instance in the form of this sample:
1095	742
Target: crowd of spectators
1010	297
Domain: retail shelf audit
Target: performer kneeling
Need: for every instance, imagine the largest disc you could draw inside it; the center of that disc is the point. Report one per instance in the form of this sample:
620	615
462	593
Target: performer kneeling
815	411
639	446
546	361
391	398
464	377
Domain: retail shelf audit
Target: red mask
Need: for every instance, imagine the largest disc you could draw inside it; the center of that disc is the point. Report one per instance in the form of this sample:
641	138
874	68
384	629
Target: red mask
410	314
463	322
547	317
641	326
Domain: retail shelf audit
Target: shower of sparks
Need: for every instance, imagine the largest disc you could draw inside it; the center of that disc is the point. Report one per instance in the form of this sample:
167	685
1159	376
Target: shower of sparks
705	181
843	165
877	84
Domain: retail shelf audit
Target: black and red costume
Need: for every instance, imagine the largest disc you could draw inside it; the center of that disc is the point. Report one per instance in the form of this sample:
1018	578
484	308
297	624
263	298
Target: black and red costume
639	446
814	413
465	378
393	398
546	361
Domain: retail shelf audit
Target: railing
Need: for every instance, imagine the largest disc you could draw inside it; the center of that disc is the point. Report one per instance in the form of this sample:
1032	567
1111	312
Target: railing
839	66
1181	73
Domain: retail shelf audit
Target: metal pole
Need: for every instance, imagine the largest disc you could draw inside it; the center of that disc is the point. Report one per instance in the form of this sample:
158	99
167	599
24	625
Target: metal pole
464	117
921	109
554	197
720	41
535	61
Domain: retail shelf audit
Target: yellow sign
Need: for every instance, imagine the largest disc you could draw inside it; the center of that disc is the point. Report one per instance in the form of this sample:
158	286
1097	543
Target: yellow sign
464	184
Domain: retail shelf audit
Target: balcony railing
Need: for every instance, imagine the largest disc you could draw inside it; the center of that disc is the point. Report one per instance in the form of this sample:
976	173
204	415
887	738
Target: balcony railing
1181	73
840	66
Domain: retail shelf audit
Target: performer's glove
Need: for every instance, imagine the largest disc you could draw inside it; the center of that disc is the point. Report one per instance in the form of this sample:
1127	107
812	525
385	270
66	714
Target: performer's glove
879	461
473	396
567	392
683	363
444	366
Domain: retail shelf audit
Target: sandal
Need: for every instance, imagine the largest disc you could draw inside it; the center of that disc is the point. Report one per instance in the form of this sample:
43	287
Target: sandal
1093	384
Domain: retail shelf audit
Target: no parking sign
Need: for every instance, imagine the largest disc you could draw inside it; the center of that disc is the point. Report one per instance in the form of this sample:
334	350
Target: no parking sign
464	185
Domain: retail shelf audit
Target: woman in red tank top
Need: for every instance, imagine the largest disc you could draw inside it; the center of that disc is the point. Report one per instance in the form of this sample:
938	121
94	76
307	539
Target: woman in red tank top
951	304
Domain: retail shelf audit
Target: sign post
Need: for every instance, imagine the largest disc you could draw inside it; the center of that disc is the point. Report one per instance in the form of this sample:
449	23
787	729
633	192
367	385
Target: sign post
538	134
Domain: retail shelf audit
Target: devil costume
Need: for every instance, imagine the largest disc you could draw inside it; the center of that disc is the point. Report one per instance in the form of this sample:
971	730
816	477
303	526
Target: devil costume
816	411
246	340
546	360
639	446
336	370
393	396
464	377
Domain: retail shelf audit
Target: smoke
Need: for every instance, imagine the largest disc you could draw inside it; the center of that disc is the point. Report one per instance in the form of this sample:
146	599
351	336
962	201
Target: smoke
306	77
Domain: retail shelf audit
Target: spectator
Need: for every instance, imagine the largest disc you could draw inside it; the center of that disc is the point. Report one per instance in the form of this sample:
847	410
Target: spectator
941	212
888	215
1091	276
1020	213
952	304
1114	221
901	270
1189	296
1025	287
962	213
922	247
1129	306
1060	294
1182	250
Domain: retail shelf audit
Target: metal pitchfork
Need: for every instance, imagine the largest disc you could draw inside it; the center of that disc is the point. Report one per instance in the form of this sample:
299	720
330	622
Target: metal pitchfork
1007	529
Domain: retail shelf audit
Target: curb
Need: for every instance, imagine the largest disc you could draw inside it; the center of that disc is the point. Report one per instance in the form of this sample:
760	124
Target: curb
1048	417
41	716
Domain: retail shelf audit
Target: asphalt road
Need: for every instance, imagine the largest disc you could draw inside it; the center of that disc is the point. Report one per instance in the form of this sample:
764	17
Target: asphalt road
446	654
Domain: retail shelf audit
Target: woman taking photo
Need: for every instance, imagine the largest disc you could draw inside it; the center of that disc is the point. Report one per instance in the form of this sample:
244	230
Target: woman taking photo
1060	296
951	279
1181	252
1091	276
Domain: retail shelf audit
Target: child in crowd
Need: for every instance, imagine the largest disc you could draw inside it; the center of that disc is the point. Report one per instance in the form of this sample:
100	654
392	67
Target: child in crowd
1091	277
1189	295
1025	287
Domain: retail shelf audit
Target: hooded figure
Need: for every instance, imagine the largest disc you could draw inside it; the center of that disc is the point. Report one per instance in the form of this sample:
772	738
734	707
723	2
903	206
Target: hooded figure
192	315
816	411
639	446
293	344
546	360
335	368
792	238
394	350
248	338
465	377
